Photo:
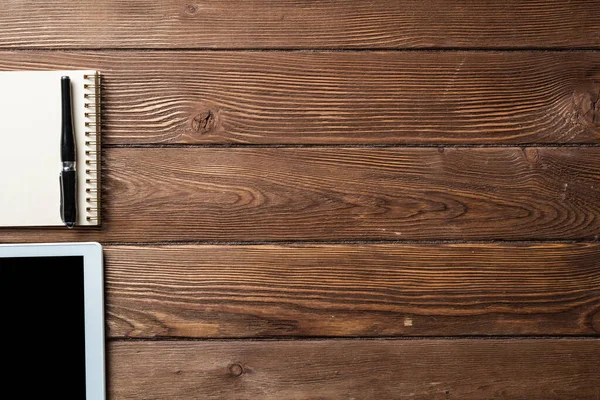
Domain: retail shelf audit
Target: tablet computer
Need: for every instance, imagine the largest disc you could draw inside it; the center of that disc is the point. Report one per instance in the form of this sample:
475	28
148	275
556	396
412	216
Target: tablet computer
52	311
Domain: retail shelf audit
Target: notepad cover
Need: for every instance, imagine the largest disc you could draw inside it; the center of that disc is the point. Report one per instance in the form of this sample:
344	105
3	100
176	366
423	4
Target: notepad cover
30	126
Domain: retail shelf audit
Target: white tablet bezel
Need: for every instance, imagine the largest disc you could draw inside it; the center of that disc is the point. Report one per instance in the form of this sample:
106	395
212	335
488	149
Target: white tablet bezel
94	303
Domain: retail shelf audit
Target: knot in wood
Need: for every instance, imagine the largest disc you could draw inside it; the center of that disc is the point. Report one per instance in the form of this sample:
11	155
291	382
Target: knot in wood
587	104
203	122
191	9
531	154
236	369
596	322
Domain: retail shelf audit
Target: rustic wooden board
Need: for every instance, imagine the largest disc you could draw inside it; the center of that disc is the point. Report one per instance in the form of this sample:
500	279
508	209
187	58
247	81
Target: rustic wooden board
340	97
484	78
300	24
287	194
346	369
353	290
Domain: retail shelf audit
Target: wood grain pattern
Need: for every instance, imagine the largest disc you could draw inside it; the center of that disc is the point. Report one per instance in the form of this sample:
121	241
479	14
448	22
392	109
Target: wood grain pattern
339	98
361	369
482	79
295	24
353	290
258	194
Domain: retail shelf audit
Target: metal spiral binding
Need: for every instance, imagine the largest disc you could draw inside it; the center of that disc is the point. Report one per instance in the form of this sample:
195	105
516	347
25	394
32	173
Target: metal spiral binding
92	146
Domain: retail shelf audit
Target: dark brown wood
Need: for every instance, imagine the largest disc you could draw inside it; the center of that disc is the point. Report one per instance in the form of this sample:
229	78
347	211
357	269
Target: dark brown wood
299	24
263	194
353	290
169	281
356	369
340	97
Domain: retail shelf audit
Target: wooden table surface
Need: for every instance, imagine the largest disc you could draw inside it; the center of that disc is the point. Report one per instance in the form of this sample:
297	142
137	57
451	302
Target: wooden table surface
339	199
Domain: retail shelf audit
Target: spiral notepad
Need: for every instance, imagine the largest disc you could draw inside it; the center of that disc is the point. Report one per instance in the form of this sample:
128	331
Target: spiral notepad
30	125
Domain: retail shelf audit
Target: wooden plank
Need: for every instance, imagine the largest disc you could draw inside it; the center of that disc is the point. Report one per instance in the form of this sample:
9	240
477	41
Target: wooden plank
347	369
353	290
265	194
340	97
300	24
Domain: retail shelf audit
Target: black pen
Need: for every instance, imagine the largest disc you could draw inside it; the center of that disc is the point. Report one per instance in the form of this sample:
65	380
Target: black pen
68	174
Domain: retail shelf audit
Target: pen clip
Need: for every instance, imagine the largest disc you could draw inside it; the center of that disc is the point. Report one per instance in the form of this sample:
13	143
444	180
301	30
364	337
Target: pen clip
68	205
62	199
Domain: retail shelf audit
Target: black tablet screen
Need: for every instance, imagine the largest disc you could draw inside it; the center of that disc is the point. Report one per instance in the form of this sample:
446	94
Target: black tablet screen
43	327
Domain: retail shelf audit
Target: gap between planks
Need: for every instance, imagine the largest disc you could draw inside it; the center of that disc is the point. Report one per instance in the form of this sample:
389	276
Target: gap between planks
311	50
356	338
343	146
